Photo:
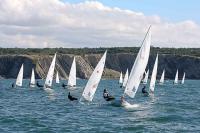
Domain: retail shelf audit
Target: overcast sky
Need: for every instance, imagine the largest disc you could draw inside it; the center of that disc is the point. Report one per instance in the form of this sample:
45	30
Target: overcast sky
104	23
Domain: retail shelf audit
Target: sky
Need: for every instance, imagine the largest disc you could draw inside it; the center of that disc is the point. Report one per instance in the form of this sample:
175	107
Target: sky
102	23
171	10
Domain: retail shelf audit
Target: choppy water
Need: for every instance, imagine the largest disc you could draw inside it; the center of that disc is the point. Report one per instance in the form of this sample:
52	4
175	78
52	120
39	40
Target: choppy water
174	108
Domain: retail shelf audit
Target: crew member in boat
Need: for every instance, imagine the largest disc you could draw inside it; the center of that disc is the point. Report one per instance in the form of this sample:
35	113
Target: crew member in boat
107	96
144	90
13	85
71	98
64	85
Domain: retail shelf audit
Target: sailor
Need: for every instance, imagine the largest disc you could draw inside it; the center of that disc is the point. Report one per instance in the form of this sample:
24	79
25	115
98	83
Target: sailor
38	85
71	98
64	85
106	95
144	90
13	85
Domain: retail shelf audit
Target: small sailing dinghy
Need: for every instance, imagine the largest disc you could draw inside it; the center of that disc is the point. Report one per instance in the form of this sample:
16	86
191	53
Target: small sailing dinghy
139	66
32	82
121	78
72	75
153	76
125	79
19	79
49	78
144	81
162	77
137	71
94	80
176	78
183	79
57	78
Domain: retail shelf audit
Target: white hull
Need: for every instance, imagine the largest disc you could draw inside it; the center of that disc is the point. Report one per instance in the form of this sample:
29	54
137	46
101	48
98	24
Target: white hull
48	90
32	86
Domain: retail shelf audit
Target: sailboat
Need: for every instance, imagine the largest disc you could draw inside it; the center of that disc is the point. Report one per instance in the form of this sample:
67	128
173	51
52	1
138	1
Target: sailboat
139	66
20	76
32	82
125	79
121	78
153	76
57	78
183	79
162	77
146	77
72	74
94	80
49	78
176	78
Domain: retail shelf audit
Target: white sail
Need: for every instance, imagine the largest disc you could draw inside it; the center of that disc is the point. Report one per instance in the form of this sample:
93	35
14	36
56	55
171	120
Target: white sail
183	79
20	76
94	80
162	77
57	78
176	77
146	77
139	66
50	73
32	83
125	78
153	76
121	78
72	74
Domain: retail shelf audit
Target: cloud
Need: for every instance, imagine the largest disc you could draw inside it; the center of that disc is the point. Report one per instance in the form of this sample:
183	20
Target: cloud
53	23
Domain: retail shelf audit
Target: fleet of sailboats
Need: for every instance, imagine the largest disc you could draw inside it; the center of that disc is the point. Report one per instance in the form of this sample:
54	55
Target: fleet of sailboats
72	74
130	82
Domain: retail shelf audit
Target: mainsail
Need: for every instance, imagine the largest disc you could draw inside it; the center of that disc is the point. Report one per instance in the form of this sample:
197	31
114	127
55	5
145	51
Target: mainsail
146	77
120	78
162	77
176	78
32	83
20	76
153	76
125	79
183	79
50	73
94	80
72	74
57	78
139	66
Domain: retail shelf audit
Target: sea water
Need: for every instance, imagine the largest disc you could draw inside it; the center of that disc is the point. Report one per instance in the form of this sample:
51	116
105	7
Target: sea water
173	108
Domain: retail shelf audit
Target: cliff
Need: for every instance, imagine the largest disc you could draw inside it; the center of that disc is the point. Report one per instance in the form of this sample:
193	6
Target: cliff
10	65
